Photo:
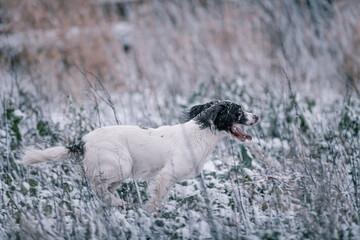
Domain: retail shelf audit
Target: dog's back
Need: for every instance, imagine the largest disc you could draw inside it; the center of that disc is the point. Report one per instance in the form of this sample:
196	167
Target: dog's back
164	155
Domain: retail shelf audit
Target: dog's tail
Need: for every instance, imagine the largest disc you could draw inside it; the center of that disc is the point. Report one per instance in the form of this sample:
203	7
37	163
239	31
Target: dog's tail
52	154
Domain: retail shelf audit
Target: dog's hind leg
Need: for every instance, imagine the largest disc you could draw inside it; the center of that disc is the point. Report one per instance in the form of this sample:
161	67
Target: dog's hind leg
158	189
105	190
113	186
106	170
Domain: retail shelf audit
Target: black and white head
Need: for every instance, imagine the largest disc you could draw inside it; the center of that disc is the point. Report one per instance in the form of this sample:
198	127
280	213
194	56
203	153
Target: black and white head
223	116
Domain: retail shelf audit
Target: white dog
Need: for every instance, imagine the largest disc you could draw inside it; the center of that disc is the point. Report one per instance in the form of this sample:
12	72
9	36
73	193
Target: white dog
163	155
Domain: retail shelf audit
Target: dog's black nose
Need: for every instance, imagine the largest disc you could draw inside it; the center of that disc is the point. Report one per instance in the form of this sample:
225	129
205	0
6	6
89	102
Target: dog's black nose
256	118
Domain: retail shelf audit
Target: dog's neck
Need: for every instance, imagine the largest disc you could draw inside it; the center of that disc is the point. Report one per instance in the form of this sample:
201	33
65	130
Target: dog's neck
200	144
206	138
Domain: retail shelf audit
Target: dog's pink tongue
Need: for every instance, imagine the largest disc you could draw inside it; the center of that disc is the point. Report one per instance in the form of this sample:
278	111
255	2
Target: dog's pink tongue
239	134
248	137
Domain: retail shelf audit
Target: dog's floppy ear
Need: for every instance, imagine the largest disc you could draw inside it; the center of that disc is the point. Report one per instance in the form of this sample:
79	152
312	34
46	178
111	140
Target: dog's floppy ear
196	110
207	118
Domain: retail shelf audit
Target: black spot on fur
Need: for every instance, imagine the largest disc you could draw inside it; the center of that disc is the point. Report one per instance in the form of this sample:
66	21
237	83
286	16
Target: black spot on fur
77	149
218	114
195	110
207	118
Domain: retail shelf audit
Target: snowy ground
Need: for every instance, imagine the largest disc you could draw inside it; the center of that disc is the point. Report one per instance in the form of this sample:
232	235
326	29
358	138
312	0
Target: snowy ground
297	69
295	180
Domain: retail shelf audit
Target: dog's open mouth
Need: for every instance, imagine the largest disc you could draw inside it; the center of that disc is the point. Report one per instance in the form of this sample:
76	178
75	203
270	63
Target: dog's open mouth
239	134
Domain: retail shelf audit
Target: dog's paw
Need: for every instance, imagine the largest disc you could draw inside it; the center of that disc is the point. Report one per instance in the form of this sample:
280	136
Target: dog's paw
118	203
150	208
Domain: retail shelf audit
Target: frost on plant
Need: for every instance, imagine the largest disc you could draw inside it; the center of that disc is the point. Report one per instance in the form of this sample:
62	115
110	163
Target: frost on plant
70	68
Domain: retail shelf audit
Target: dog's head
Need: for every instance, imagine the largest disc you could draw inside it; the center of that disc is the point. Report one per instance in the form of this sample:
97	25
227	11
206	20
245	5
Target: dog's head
223	116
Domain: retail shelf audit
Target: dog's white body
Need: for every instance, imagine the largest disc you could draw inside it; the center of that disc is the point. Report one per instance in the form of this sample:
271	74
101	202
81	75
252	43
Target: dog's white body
143	153
162	156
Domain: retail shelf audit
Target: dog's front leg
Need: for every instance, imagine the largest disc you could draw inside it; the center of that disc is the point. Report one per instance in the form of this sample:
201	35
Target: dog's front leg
158	189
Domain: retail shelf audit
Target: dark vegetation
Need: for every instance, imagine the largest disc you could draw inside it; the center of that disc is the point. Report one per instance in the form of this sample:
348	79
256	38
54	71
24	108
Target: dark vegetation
65	72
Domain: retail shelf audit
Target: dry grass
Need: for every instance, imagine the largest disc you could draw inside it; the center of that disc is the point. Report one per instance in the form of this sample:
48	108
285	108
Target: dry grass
172	45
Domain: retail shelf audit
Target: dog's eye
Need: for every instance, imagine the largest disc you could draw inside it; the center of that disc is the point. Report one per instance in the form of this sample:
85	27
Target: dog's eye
239	114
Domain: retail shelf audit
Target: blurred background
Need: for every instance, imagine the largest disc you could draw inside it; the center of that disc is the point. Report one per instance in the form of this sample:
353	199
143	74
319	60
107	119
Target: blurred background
70	66
171	46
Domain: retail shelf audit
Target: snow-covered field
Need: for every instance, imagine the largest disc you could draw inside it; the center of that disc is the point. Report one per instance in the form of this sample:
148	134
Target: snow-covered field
295	64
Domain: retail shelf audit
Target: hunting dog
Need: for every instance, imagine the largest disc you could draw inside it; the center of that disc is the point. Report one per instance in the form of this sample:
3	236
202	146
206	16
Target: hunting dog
162	156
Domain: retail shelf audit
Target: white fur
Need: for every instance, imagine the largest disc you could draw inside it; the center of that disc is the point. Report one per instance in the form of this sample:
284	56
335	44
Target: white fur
33	156
163	156
252	118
